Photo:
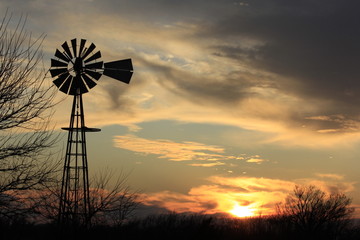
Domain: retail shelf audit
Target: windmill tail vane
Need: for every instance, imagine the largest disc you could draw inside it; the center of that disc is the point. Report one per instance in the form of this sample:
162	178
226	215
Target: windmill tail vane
76	69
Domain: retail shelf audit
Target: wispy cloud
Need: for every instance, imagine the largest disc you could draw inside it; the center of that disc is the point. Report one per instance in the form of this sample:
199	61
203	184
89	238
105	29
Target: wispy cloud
256	160
330	176
173	151
206	164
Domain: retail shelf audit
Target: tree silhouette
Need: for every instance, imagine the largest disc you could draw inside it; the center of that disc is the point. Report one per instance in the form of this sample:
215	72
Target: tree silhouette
314	213
111	204
25	110
111	200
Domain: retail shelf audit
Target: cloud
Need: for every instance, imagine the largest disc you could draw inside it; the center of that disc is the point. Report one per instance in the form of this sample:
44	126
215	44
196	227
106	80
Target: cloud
173	151
250	100
329	183
207	164
182	151
223	194
256	160
300	43
272	67
330	176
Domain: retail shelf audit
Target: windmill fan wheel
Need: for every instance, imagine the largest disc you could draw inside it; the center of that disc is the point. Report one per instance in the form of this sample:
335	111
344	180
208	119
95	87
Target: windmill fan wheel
77	68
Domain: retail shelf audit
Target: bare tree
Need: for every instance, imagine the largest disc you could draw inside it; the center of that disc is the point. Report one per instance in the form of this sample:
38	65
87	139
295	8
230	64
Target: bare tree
26	100
111	200
314	212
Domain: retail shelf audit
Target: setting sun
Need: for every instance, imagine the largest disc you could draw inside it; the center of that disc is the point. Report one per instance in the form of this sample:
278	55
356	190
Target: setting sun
242	211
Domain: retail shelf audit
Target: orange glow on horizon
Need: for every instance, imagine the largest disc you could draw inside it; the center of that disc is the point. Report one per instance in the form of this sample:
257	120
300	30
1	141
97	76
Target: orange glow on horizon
242	211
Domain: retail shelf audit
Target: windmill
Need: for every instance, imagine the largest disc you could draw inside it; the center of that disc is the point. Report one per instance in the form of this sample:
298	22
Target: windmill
76	69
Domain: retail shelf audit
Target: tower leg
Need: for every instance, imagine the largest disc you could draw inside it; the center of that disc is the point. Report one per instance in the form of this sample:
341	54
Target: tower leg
74	207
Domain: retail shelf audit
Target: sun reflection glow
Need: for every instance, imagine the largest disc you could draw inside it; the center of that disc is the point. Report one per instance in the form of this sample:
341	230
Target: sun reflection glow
242	211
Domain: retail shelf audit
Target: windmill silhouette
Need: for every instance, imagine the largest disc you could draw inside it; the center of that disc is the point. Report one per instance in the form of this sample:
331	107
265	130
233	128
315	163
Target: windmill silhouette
76	70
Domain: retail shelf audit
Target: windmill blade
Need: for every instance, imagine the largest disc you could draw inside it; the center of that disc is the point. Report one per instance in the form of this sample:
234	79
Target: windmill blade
61	56
93	74
73	44
76	84
67	49
82	45
123	76
65	87
97	65
125	64
57	71
89	82
60	80
93	57
56	63
89	50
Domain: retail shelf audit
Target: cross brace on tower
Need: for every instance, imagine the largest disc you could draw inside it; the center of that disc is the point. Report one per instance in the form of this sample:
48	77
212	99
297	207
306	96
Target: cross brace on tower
75	205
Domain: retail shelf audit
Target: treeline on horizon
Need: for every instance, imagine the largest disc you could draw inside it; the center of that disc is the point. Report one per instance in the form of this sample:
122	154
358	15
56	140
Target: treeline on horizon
307	213
186	227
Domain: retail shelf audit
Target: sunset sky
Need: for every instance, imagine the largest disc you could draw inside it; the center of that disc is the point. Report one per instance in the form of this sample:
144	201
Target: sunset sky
231	103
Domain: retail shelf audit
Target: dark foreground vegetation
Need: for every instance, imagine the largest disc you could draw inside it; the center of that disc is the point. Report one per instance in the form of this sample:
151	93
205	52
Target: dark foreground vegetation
182	226
307	213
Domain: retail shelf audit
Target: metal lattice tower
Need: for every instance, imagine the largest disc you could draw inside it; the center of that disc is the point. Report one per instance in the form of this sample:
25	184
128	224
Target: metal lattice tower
74	197
77	70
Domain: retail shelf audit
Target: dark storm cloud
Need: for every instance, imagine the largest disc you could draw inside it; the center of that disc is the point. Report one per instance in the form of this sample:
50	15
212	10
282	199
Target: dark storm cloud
203	89
209	205
166	11
315	43
117	97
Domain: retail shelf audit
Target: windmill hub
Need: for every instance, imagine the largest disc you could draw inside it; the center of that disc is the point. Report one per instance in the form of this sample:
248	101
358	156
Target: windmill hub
78	66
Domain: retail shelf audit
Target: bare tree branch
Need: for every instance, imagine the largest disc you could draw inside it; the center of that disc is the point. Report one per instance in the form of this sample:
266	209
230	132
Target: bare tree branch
26	102
112	200
112	204
312	211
